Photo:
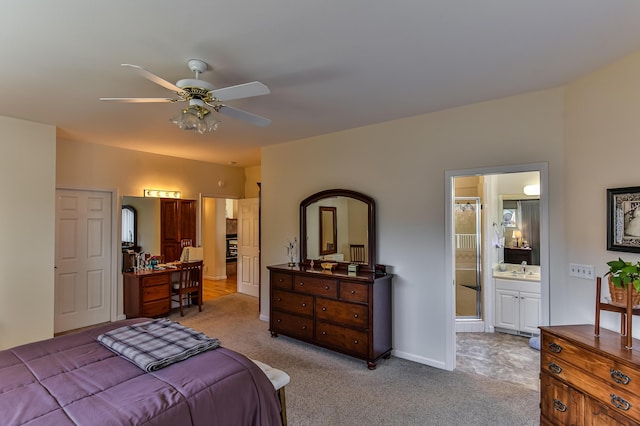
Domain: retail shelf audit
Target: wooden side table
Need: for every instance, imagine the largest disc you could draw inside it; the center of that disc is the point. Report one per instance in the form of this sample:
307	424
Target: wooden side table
626	313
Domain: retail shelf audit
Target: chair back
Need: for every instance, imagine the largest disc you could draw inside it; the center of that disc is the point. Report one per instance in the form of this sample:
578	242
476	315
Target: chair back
357	253
190	276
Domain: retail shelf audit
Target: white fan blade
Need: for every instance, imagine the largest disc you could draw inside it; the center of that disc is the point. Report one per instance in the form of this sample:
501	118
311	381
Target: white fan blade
254	119
139	100
246	90
154	78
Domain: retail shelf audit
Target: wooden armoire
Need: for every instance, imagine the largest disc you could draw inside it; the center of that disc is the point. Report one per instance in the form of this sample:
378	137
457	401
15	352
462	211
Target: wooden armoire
177	223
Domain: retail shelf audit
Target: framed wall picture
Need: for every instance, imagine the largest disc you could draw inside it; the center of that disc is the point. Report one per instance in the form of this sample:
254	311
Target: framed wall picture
623	219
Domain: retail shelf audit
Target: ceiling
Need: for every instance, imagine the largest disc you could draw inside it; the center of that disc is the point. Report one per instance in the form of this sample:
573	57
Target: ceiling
330	65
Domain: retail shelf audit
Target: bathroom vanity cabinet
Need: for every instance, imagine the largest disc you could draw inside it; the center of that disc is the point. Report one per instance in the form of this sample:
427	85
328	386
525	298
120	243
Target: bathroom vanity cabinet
518	307
348	313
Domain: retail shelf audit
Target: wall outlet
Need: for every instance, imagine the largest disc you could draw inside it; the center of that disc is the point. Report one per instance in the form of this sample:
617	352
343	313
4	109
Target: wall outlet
586	272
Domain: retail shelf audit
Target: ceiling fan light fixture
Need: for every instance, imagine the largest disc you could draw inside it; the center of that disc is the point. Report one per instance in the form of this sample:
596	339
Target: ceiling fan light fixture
196	118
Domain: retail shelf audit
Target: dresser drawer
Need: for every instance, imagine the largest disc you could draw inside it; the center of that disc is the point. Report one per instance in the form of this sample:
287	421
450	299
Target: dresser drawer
342	312
155	280
292	325
292	302
155	292
354	292
156	308
615	397
606	369
318	286
559	404
281	280
341	337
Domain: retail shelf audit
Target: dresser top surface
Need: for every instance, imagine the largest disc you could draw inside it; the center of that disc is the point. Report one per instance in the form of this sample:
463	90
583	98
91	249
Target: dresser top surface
609	343
320	273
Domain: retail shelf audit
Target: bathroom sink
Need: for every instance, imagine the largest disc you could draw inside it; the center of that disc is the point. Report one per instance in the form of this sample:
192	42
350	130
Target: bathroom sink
515	275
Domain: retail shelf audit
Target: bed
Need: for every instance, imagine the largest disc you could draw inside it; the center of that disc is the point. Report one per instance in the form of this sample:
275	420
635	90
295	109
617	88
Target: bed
75	380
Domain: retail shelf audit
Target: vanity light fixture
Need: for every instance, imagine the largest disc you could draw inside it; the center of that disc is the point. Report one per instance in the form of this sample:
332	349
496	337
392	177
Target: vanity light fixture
161	193
531	190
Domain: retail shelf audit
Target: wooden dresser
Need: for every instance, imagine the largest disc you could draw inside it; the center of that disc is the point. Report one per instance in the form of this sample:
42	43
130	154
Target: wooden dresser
348	313
147	293
585	380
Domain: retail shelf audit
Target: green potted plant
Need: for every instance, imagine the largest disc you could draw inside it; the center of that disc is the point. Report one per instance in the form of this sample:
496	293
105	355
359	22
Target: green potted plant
621	274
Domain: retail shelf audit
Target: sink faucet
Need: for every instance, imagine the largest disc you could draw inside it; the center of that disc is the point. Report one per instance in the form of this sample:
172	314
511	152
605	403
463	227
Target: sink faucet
524	266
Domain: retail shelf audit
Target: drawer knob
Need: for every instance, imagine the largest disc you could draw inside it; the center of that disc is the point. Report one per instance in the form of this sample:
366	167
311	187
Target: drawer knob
301	283
324	333
324	308
304	305
555	368
620	377
281	280
555	348
279	299
353	292
304	327
279	321
355	315
326	287
355	341
620	403
559	405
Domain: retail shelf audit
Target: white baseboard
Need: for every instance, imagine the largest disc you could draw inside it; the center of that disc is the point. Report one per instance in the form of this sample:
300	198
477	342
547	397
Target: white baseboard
470	326
418	359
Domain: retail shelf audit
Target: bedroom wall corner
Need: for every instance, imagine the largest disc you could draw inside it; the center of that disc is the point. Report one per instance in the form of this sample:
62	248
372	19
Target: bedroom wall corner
27	226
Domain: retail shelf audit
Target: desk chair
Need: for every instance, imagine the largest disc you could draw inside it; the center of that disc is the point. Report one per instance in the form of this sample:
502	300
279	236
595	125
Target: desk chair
189	285
357	253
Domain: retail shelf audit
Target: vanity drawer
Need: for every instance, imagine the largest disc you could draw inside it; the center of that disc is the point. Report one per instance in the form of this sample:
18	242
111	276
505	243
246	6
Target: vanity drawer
345	338
293	325
292	302
342	312
319	286
281	280
155	280
155	292
354	292
156	308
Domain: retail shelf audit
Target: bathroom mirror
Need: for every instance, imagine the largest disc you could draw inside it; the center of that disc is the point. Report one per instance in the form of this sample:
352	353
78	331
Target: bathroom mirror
349	215
328	230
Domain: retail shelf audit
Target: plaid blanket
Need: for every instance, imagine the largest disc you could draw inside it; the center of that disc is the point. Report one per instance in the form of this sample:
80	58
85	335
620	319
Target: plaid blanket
155	344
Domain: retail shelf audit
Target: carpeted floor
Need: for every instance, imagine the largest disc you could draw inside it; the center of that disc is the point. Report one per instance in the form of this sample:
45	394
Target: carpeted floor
332	389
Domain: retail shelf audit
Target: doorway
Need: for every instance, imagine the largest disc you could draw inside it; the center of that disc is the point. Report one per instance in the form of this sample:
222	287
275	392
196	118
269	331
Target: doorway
84	257
217	218
491	207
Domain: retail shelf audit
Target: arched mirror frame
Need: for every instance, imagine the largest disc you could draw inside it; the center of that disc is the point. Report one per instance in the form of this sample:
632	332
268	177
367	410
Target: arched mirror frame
371	225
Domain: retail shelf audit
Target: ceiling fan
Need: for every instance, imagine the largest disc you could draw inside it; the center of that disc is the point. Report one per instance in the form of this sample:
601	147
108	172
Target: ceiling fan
200	94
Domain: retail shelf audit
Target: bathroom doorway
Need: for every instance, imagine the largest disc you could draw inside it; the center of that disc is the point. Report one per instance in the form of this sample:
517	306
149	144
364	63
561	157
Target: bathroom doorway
491	242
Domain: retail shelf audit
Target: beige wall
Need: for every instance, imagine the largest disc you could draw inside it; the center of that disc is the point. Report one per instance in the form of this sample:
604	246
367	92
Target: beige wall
402	164
27	168
603	147
86	165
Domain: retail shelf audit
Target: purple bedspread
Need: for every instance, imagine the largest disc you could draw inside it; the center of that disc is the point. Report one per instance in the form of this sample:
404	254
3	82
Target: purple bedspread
73	379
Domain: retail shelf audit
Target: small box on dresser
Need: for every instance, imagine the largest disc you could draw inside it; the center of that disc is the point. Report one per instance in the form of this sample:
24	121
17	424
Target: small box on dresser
588	380
345	312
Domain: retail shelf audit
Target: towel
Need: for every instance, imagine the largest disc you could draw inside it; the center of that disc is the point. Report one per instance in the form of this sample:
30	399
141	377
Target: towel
155	344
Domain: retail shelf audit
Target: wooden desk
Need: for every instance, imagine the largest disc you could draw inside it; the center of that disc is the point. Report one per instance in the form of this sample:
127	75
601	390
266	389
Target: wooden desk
148	293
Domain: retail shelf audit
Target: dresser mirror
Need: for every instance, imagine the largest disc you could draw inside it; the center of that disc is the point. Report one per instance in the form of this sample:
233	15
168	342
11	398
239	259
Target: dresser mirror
338	225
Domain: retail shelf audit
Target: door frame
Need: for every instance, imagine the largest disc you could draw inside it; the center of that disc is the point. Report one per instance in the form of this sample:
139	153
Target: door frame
116	281
450	300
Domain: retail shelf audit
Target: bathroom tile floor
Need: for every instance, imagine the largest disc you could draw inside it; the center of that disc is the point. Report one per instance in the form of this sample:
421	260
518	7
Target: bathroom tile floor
500	356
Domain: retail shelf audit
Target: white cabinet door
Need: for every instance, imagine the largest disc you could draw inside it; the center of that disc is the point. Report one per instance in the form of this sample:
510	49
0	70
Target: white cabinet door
507	308
530	312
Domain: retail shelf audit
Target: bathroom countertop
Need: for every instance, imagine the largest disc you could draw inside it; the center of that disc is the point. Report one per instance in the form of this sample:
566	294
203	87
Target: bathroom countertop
515	275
